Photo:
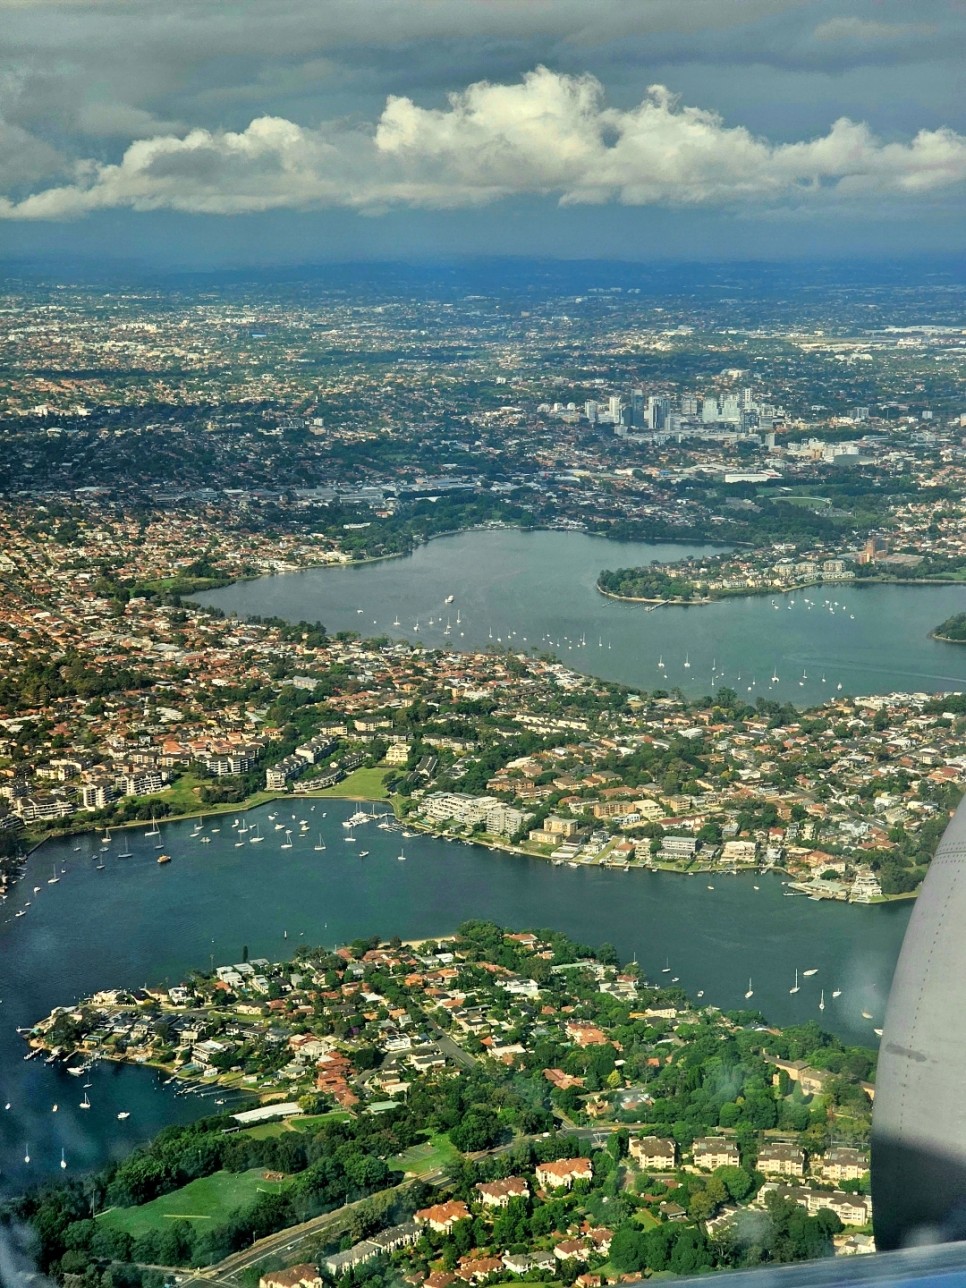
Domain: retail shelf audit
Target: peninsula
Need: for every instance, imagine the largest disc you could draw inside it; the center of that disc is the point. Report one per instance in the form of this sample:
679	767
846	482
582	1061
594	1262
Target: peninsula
481	1107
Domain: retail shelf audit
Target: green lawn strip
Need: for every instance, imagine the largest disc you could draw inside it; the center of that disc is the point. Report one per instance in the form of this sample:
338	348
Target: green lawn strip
311	1121
364	784
438	1151
210	1198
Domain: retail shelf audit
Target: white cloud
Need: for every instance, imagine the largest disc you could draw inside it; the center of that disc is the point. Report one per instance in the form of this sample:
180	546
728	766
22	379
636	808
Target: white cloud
549	135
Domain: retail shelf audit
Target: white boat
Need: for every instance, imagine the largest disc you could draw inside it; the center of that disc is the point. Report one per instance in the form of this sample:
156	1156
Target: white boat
813	970
867	1015
63	1159
687	662
123	1114
449	599
700	993
349	839
363	853
321	843
254	840
153	830
85	1103
877	1032
666	968
751	991
836	992
821	1001
795	989
401	857
660	663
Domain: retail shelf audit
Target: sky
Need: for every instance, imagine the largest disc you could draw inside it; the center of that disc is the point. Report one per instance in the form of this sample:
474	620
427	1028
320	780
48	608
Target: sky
193	133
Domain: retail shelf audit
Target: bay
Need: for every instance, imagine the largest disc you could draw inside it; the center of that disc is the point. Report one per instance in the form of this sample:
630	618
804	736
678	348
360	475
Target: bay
135	923
537	590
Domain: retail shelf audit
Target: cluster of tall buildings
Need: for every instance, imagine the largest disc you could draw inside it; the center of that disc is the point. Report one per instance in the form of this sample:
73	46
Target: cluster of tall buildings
738	411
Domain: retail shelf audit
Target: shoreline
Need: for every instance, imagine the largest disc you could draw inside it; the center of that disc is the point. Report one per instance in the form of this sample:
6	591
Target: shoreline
504	847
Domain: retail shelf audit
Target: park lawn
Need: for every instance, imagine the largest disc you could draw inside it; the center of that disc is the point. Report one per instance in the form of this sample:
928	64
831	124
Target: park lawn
361	784
209	1199
429	1155
311	1121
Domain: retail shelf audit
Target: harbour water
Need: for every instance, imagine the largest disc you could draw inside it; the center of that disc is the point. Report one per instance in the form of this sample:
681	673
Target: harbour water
135	922
537	590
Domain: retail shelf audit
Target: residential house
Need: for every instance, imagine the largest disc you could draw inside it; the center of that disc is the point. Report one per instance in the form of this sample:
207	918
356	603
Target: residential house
564	1172
715	1151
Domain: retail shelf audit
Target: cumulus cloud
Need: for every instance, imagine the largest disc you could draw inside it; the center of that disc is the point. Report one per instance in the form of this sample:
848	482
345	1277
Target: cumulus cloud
549	135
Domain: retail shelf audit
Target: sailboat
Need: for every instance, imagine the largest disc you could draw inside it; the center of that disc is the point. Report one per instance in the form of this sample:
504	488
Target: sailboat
253	840
401	856
287	843
751	991
321	843
124	854
63	1160
795	989
660	663
813	970
821	1001
85	1103
396	622
666	968
836	992
687	662
106	838
153	830
54	878
774	674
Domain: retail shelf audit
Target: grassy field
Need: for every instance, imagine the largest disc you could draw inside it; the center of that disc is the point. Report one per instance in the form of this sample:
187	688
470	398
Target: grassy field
361	784
426	1157
212	1198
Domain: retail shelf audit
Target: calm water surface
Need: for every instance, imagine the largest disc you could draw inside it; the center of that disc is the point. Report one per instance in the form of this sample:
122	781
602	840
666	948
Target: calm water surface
527	589
137	923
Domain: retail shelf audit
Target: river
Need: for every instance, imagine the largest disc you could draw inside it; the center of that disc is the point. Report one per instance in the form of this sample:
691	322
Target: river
537	589
135	922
